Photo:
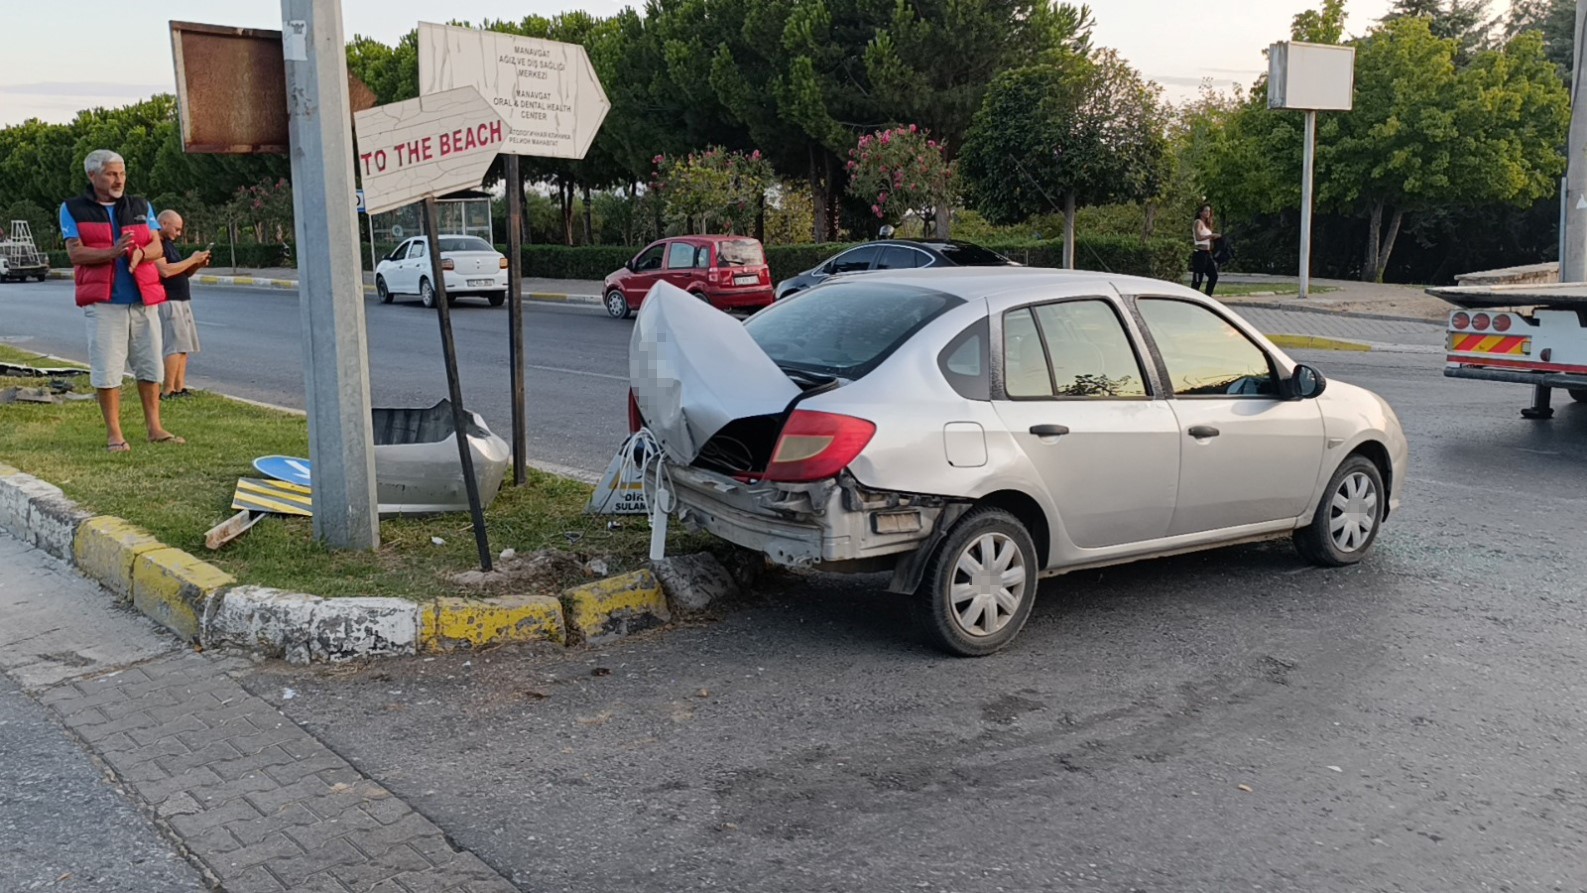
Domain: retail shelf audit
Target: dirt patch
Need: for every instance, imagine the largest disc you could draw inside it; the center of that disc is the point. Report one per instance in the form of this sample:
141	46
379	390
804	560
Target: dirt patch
546	572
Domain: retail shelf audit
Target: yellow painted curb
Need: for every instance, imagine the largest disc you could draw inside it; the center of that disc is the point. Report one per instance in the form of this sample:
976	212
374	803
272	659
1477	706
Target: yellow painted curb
242	280
615	607
105	549
172	588
1312	342
546	296
453	623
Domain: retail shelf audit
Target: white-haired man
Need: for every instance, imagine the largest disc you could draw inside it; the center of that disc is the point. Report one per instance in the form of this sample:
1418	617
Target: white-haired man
108	234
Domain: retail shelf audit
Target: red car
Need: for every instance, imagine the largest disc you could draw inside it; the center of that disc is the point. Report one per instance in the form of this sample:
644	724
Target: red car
729	272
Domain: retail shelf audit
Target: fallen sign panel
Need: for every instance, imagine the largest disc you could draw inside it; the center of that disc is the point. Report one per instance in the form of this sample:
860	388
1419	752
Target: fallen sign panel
275	497
427	146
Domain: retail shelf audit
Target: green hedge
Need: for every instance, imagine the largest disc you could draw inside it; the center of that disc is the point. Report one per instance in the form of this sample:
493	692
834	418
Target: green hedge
1158	258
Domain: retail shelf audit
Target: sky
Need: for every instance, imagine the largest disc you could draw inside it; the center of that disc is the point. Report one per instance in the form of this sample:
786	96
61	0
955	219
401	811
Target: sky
1176	43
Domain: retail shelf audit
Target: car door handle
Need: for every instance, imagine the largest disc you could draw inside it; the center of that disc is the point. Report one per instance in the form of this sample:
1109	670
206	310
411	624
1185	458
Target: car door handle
1049	430
1203	431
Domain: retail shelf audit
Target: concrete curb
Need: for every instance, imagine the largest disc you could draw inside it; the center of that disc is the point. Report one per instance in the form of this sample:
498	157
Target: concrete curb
1317	342
261	282
205	605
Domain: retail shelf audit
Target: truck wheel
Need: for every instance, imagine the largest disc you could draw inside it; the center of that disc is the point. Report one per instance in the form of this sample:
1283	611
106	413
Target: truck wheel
1579	395
980	585
1348	516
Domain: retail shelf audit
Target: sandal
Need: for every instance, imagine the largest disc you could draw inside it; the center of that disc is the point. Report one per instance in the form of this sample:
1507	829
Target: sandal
120	446
169	438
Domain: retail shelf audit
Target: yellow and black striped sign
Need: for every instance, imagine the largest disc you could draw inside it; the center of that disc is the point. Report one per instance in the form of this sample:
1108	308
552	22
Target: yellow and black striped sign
1503	345
279	497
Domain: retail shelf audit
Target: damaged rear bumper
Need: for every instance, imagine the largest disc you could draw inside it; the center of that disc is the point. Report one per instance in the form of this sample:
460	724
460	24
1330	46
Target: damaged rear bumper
832	522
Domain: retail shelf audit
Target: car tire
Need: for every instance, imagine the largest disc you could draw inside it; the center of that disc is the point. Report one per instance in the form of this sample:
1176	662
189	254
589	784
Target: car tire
426	294
703	299
953	607
1579	395
43	276
1348	516
617	305
380	289
496	300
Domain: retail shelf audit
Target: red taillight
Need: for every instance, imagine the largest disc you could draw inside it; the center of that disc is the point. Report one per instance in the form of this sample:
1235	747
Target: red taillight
635	420
1461	320
448	264
724	276
1501	323
815	446
1480	322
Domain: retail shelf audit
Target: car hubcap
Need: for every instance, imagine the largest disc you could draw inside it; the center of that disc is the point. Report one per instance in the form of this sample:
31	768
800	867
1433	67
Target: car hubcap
616	305
1354	512
988	584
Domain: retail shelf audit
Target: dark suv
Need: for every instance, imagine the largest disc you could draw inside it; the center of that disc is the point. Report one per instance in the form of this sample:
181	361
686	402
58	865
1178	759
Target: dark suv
728	272
895	254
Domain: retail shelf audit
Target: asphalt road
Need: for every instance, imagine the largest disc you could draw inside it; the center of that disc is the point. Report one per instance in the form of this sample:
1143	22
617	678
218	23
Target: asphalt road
1234	720
576	358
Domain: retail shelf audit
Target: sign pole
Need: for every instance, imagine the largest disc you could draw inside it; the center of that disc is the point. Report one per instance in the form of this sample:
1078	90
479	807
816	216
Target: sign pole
1308	159
454	386
331	288
515	317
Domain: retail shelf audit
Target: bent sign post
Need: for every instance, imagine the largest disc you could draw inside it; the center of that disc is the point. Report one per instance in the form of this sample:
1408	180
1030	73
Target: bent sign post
553	103
419	149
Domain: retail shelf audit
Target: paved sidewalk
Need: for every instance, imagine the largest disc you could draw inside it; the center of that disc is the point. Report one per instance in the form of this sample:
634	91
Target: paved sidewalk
1344	296
255	800
1381	334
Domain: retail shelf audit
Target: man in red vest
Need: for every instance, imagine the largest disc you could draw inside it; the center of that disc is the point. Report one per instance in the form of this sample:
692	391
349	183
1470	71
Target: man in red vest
108	235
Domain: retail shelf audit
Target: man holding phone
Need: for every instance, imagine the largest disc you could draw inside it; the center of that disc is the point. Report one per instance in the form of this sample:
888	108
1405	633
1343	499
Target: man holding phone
106	232
178	331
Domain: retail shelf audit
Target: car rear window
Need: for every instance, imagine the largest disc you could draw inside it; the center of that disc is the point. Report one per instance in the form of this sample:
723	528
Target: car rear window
966	254
740	253
465	243
845	329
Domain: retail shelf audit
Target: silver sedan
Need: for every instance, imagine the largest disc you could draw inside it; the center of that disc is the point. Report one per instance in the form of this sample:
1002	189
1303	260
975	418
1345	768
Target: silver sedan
974	430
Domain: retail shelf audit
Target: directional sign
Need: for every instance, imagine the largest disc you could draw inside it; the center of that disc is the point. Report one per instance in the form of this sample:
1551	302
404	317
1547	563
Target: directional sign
427	146
546	90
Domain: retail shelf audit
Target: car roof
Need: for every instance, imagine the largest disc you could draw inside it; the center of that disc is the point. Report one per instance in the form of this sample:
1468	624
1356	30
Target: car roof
1006	286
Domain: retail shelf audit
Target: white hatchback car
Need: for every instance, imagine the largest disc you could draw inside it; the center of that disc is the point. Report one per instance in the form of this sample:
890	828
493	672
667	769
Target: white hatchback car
470	264
971	430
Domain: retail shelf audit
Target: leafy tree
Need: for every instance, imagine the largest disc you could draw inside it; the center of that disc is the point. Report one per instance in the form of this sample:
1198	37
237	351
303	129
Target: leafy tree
1088	130
1325	25
1555	20
901	170
714	189
1464	21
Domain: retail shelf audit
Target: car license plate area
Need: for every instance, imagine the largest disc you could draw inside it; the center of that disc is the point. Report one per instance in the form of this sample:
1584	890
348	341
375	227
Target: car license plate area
481	282
745	280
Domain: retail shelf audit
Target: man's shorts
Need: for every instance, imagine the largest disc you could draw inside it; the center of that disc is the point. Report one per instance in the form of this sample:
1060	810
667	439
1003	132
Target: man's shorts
177	329
119	334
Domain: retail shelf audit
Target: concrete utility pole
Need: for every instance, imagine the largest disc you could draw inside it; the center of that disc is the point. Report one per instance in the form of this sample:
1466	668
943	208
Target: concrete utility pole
1573	264
330	276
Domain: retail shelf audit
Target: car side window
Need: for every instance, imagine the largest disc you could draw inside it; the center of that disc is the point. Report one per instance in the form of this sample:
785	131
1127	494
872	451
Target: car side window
649	259
1205	355
1025	372
1089	351
702	258
898	257
680	256
854	261
965	362
416	250
401	253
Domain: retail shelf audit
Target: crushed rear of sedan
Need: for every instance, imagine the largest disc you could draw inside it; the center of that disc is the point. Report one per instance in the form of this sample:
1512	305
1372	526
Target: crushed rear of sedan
973	430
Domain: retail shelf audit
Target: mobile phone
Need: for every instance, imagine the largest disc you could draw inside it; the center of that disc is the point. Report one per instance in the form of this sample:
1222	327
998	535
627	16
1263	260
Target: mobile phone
210	248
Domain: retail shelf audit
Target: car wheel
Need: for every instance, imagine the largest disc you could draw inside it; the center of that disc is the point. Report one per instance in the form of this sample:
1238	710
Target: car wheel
980	585
1348	517
702	297
426	293
497	299
1579	395
43	276
382	290
617	305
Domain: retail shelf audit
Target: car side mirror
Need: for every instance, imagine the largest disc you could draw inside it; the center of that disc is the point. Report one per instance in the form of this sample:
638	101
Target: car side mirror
1307	383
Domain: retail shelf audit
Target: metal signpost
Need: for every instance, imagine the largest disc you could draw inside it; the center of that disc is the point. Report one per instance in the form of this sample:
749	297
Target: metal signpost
422	148
553	103
1310	77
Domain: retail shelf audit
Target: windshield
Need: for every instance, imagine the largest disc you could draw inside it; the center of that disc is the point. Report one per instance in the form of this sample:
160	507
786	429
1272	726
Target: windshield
967	255
845	329
465	243
740	253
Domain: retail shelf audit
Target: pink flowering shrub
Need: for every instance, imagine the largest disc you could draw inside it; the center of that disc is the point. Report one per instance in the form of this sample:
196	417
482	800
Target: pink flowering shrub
900	170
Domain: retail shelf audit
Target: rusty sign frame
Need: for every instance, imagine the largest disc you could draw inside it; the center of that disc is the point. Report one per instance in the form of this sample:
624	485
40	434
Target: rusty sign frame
233	100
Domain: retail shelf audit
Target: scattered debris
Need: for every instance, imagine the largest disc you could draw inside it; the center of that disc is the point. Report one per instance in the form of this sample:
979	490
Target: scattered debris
437	541
703	693
546	571
601	671
288	694
535	695
694	582
508	554
1336	768
1245	787
597	567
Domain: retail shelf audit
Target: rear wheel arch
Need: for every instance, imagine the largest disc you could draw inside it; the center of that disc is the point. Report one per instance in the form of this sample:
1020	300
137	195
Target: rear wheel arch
1030	513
